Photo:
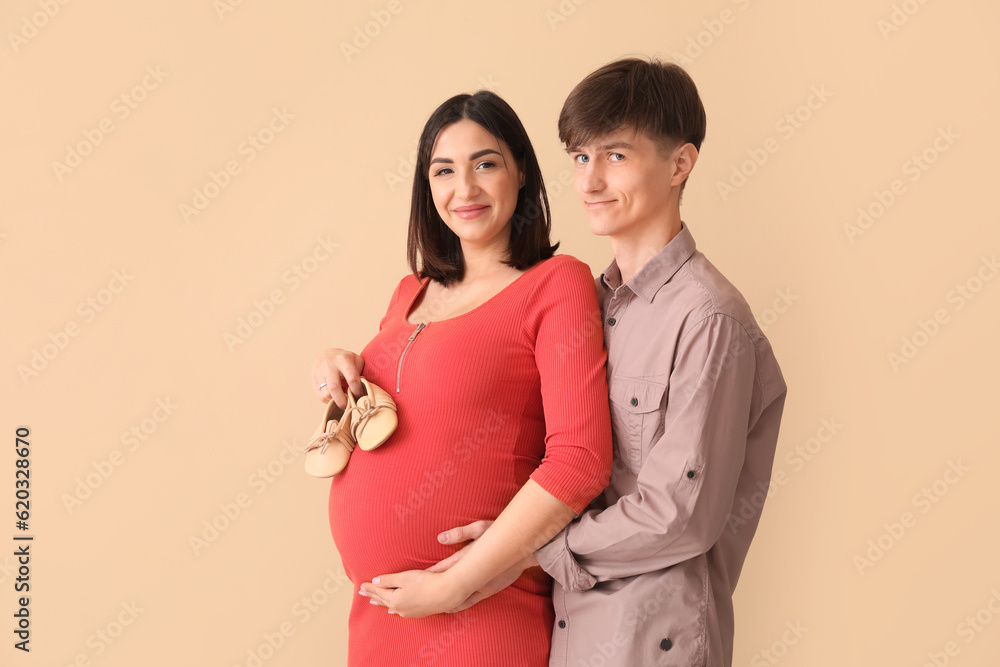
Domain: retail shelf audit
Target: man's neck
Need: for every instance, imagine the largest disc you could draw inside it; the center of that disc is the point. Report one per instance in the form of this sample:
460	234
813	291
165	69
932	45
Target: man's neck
633	251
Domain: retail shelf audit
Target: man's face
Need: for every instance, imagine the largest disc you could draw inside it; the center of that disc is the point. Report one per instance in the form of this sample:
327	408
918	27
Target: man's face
624	181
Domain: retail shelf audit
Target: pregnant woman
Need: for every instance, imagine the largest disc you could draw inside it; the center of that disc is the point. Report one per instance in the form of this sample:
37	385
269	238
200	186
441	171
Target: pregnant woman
492	351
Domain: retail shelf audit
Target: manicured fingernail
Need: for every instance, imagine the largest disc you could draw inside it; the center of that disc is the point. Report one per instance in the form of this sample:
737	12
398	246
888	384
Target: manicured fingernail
372	602
443	538
391	611
375	581
362	593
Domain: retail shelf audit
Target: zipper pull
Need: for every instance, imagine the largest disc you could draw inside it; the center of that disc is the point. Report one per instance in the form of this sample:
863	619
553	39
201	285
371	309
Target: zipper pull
399	367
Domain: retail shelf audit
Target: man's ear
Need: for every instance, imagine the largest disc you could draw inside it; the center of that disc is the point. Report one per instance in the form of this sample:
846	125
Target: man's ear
684	159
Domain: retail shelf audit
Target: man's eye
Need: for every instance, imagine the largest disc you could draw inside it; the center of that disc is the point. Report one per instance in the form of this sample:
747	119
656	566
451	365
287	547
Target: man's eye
617	157
582	159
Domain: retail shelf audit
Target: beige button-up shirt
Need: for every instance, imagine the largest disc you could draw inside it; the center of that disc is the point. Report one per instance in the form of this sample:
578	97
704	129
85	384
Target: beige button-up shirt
645	576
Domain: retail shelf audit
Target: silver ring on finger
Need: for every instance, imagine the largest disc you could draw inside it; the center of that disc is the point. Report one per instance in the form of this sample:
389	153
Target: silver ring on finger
322	385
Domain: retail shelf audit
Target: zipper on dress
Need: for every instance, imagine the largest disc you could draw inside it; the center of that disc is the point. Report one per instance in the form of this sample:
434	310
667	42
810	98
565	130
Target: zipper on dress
399	368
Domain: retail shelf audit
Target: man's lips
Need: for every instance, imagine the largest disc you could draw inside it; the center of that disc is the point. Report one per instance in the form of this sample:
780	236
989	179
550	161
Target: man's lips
470	211
593	204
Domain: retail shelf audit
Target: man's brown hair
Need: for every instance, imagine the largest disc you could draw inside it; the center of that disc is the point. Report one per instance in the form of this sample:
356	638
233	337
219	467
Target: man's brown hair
655	98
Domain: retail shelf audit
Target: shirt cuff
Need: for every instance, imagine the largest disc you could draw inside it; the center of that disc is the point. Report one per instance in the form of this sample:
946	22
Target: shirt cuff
558	561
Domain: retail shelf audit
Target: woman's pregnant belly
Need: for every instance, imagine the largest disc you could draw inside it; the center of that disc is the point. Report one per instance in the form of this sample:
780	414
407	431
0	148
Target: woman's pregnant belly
388	506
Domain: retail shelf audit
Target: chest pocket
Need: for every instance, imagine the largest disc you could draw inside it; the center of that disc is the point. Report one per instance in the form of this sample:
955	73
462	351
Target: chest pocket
637	417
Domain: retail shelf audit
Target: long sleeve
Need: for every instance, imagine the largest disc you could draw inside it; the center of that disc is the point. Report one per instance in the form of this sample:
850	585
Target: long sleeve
687	483
564	326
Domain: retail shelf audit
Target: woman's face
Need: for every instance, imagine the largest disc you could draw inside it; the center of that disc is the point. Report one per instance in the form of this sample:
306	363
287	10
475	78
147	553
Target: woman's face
474	183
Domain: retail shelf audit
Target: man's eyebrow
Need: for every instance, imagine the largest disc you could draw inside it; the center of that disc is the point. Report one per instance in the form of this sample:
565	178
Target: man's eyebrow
615	144
603	147
477	154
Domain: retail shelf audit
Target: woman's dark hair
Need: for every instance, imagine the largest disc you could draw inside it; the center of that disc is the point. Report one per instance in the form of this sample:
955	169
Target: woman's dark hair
438	248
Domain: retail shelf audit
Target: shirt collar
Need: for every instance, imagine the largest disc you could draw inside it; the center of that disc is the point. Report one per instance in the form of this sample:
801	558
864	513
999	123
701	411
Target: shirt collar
657	271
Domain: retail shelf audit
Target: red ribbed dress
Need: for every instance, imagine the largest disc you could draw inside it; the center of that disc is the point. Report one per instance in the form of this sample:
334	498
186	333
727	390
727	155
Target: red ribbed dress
513	389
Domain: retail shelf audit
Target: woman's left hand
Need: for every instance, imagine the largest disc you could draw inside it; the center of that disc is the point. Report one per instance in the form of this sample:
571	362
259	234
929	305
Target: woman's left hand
415	593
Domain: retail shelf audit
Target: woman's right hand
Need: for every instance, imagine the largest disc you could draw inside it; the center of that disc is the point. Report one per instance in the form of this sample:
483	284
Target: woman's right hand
335	369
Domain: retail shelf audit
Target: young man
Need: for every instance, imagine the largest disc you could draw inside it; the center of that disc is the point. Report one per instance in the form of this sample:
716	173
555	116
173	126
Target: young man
645	576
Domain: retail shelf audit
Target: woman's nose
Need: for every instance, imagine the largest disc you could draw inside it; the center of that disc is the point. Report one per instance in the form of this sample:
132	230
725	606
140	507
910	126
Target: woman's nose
467	185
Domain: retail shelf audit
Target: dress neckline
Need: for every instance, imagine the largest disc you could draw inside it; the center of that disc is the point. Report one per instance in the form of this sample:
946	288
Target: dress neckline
423	286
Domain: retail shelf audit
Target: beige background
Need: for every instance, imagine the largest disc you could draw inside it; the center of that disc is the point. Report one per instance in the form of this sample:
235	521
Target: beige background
835	300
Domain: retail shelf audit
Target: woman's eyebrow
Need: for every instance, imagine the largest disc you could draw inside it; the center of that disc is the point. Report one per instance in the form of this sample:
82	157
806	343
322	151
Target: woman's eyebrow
477	154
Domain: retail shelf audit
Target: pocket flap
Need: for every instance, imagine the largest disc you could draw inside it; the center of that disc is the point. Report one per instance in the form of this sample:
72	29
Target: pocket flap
635	394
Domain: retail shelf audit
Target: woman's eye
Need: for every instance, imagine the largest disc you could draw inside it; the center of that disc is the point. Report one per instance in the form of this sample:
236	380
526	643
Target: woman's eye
617	157
442	172
485	165
582	159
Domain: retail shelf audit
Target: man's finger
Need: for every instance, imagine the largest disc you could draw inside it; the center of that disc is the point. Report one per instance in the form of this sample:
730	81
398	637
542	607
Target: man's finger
472	531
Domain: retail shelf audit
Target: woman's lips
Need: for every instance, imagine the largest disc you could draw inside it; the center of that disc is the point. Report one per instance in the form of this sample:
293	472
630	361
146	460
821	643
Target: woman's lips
472	211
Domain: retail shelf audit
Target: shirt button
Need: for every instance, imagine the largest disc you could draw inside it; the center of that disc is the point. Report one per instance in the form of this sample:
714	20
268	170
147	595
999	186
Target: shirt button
634	401
611	321
691	474
666	645
562	624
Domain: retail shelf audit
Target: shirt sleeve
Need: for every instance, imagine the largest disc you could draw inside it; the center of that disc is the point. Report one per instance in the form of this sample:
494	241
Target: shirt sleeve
687	484
563	324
